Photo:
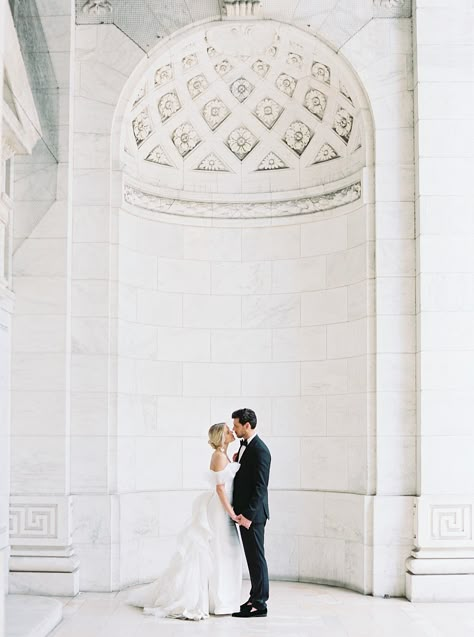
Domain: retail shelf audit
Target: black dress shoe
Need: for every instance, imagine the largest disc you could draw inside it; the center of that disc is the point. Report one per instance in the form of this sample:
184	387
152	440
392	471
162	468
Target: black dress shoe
251	612
247	604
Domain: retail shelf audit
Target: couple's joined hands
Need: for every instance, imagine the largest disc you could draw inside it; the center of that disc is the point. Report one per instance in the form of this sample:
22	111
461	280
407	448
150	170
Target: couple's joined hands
241	520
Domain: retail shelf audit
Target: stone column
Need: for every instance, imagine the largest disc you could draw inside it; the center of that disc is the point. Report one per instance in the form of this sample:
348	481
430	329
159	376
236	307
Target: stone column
442	564
4	389
42	556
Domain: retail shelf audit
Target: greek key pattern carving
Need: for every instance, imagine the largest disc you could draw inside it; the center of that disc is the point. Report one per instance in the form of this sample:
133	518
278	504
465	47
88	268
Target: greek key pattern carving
258	210
451	522
31	521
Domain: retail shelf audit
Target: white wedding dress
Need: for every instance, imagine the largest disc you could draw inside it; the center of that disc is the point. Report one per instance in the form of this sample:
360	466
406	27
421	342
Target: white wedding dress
205	574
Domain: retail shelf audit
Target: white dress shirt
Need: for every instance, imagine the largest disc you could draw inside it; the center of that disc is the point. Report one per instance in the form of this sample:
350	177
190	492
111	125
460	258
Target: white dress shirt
242	448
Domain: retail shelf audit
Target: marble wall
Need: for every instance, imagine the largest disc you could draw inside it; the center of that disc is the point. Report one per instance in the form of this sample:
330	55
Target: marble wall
213	318
171	326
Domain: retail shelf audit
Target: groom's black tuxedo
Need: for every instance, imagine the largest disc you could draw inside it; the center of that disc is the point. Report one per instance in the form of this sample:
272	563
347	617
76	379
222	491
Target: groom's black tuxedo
251	482
250	499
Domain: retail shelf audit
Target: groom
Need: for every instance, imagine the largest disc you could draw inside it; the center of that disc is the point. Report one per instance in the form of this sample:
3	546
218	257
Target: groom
250	502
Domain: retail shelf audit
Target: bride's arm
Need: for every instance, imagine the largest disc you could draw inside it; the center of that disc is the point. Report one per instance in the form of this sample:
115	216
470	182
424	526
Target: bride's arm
218	463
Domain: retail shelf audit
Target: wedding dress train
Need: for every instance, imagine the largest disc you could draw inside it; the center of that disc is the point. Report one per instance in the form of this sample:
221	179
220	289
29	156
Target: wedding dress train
205	574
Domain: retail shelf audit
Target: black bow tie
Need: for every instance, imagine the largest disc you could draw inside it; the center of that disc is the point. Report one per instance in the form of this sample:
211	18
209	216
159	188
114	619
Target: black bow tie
243	443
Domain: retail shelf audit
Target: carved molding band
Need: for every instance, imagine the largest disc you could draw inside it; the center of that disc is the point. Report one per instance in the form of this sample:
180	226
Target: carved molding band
31	521
242	8
451	522
261	210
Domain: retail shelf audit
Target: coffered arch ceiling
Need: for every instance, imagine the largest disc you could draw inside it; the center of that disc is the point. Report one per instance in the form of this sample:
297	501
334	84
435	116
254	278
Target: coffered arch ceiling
245	108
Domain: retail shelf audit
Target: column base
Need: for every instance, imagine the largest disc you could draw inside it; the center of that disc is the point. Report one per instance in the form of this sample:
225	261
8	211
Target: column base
46	583
33	574
440	588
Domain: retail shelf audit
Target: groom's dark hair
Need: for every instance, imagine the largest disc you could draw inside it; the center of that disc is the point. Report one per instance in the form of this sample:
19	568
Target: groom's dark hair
246	415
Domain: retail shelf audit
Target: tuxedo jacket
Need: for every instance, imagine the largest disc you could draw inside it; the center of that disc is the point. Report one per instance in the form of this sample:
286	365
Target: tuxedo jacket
250	496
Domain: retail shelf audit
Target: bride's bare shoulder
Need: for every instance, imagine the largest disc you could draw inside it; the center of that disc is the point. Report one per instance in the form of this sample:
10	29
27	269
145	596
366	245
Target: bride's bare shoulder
218	461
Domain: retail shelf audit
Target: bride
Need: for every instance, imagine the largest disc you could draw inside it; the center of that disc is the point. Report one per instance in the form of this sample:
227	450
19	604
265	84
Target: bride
205	574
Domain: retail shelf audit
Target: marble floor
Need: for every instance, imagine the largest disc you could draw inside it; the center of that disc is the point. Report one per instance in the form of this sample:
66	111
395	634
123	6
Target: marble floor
296	610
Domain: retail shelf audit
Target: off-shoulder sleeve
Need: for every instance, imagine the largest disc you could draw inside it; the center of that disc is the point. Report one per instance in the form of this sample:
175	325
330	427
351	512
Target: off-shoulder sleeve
228	473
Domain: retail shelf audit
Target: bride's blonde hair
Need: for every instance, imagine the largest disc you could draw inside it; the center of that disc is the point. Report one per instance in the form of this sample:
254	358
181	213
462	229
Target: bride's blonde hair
216	435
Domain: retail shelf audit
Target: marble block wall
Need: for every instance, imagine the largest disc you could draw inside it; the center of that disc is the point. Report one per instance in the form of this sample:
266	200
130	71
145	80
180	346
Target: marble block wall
214	318
172	326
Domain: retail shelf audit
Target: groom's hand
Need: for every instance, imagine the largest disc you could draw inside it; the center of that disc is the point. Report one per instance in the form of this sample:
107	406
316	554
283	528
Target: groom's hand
243	521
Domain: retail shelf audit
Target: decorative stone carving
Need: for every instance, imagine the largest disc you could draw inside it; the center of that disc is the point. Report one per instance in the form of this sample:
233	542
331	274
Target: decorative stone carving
343	124
241	142
286	84
241	89
268	111
163	75
223	67
297	137
97	8
345	92
168	105
214	113
315	102
325	153
258	210
271	162
197	85
142	128
261	68
189	61
185	139
242	8
389	4
158	156
321	72
30	521
294	59
212	163
451	522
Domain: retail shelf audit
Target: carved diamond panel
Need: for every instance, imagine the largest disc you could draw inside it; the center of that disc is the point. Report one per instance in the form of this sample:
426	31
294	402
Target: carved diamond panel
268	111
197	85
241	89
343	124
261	68
298	136
294	59
142	128
185	139
241	142
286	84
212	163
158	156
214	113
271	162
343	90
168	105
321	72
189	61
223	67
315	102
163	75
325	153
